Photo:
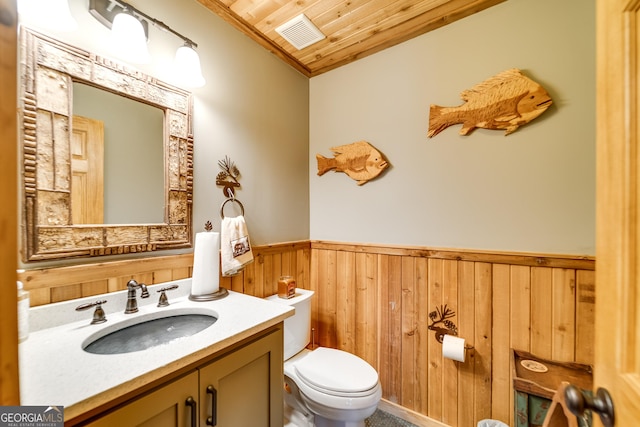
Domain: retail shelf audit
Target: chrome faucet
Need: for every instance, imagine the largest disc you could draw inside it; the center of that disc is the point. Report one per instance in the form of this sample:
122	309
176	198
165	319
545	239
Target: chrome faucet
132	303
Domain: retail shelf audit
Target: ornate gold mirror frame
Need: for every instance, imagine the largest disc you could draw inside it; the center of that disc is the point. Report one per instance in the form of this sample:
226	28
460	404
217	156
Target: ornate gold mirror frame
48	68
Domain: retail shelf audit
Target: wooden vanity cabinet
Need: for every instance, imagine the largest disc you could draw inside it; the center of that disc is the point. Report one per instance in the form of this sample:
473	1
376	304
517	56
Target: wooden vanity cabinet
163	407
241	388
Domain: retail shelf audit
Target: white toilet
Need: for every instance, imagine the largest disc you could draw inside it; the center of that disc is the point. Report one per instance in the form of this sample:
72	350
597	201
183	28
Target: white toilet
324	387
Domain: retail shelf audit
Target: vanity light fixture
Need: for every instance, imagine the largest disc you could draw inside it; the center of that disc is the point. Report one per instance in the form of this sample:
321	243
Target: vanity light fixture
50	14
109	12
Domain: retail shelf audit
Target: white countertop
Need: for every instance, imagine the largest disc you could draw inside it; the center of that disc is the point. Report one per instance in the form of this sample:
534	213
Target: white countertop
55	370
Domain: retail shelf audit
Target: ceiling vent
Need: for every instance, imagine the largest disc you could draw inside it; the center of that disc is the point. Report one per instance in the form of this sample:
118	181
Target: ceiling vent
300	32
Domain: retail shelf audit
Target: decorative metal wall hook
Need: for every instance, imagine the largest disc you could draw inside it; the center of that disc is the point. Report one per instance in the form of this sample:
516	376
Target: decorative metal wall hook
441	324
228	177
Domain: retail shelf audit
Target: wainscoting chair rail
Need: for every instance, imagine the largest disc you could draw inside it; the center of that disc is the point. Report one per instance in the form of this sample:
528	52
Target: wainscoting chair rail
582	262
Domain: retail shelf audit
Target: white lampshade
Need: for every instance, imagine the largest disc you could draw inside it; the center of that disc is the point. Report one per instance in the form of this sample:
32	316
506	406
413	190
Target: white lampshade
187	67
50	14
128	40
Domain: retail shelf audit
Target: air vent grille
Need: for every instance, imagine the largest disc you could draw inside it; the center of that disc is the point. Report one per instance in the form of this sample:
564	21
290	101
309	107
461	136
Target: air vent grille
300	32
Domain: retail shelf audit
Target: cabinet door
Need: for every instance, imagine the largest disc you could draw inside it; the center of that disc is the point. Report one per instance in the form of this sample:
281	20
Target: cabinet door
164	407
245	386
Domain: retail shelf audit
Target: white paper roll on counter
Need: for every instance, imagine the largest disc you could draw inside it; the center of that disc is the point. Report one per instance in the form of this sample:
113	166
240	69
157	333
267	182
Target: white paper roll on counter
206	264
453	348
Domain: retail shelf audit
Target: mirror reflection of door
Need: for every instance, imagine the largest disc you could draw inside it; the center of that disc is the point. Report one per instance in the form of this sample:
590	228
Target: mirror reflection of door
87	171
133	162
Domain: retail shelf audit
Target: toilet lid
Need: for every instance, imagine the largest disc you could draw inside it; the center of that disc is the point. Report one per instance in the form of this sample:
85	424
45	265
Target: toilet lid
336	371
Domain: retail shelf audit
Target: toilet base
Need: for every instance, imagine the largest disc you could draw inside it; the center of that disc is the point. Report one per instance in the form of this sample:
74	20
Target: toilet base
325	416
325	422
295	418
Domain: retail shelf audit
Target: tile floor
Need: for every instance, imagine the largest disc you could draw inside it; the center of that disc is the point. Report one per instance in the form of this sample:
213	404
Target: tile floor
378	419
384	419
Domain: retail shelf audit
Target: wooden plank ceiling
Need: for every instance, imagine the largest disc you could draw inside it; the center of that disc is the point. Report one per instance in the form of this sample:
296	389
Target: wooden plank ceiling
353	28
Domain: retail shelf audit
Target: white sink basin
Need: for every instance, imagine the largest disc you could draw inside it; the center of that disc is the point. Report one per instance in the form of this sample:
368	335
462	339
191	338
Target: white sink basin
148	331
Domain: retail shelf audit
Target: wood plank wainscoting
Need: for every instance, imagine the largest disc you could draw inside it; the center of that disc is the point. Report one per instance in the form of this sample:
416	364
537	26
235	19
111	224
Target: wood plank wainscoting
374	301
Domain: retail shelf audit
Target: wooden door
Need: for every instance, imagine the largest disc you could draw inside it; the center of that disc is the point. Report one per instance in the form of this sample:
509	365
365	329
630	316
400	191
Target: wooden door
9	391
617	352
87	171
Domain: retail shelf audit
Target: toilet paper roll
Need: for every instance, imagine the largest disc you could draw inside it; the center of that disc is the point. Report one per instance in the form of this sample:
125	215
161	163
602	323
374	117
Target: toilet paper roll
206	264
453	348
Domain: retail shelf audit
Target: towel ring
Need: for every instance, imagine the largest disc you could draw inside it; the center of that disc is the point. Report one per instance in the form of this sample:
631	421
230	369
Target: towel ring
230	200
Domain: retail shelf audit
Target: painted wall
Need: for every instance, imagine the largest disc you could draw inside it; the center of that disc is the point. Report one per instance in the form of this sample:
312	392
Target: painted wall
531	191
253	109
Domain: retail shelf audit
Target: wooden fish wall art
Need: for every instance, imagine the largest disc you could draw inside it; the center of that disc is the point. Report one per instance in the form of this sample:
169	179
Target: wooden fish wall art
359	160
505	101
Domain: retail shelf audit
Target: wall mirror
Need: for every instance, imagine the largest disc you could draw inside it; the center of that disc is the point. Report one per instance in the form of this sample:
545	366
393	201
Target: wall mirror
61	212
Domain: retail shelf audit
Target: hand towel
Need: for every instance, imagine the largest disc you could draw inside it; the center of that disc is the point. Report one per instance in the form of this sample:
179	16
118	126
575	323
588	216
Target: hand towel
234	245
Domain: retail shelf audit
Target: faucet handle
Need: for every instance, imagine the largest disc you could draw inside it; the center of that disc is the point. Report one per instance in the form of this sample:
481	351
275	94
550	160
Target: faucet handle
163	301
98	314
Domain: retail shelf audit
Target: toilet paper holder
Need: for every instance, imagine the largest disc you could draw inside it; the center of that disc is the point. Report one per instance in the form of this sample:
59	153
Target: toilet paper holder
441	324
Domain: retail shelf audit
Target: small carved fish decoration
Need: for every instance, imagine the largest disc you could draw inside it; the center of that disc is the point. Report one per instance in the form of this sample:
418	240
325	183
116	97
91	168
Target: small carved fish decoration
359	160
506	101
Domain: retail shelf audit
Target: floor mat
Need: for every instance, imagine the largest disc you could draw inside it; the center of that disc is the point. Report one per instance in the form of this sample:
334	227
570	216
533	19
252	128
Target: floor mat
384	419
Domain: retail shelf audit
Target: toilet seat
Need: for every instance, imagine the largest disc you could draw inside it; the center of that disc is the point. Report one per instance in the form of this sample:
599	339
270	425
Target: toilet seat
337	373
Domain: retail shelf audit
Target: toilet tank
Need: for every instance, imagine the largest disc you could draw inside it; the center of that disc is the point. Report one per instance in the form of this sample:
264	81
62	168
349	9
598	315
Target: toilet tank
297	328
